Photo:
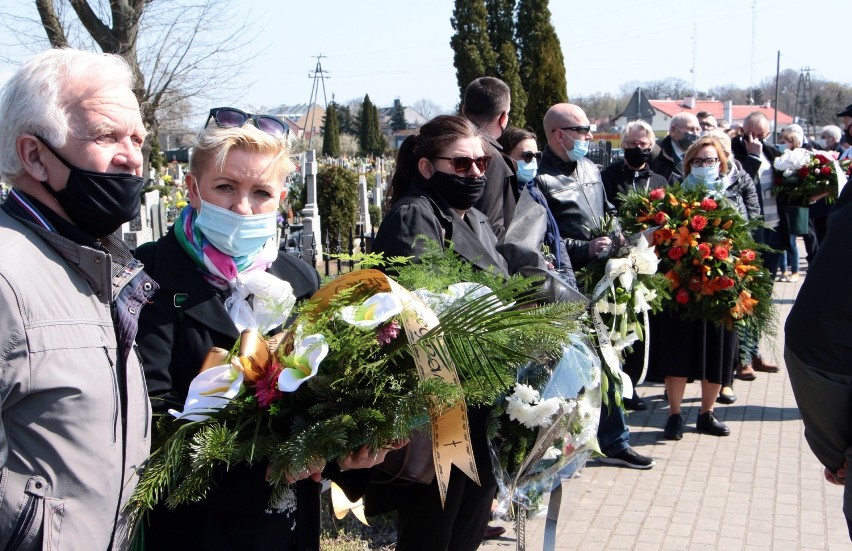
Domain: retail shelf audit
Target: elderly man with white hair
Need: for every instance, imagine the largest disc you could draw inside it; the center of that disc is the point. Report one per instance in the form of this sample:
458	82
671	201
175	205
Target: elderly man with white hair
684	129
75	423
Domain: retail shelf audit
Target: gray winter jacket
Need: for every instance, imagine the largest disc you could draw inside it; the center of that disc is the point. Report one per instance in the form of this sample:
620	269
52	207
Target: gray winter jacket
76	420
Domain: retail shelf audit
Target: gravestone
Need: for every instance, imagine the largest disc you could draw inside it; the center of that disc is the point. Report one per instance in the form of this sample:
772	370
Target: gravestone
310	213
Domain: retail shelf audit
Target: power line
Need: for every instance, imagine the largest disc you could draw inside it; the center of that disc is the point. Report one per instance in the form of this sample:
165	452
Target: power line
319	76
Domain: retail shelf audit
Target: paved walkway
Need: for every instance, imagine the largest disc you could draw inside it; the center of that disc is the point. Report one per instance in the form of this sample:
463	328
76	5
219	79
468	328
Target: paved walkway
760	488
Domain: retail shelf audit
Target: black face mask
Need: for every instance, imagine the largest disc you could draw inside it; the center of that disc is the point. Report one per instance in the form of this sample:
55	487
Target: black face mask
688	139
636	157
460	192
848	133
97	202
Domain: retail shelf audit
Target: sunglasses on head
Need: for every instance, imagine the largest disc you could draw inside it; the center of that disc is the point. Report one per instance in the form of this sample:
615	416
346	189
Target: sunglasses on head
229	117
528	156
461	165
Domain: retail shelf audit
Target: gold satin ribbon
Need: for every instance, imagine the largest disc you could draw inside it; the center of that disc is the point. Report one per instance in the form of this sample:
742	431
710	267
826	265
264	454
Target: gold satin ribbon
451	444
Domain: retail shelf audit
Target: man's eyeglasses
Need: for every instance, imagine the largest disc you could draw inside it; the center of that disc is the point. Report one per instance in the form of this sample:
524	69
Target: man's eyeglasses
528	156
709	161
461	165
229	117
578	129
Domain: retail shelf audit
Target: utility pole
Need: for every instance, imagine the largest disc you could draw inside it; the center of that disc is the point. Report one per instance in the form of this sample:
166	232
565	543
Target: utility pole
753	48
775	133
319	77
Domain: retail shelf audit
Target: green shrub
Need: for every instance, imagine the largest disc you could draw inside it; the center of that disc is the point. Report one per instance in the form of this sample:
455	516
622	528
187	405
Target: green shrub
337	200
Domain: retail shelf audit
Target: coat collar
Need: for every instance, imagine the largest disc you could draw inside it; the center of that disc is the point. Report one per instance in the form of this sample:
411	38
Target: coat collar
178	276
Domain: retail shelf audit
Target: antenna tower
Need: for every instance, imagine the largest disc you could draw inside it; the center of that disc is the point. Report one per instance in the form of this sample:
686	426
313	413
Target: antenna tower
804	113
319	77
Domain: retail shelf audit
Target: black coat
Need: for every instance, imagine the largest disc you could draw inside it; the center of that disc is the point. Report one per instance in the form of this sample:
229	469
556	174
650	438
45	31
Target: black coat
422	213
620	178
501	189
187	317
666	163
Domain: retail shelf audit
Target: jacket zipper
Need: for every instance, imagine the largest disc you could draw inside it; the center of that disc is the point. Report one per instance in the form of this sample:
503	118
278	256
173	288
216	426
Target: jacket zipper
115	400
23	528
144	386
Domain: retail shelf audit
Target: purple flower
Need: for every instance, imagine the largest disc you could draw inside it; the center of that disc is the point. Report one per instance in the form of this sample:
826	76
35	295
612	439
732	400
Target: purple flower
388	332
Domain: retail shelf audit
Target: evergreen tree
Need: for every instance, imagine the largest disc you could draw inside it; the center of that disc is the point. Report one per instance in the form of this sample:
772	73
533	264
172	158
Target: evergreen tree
367	137
510	73
501	22
473	55
542	65
398	121
331	133
347	123
379	143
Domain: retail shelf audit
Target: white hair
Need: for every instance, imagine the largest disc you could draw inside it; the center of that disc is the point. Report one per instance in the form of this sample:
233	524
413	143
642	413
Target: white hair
33	100
798	130
639	123
684	117
833	131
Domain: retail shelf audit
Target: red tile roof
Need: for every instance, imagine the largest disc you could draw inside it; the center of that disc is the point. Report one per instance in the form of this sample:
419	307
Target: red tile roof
717	108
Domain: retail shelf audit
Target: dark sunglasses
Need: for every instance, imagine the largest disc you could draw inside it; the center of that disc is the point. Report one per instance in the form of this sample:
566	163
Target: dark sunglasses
578	129
528	156
462	164
229	117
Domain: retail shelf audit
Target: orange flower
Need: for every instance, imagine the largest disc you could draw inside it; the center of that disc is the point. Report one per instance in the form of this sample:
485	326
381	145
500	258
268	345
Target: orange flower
685	237
742	268
744	306
672	276
663	235
727	225
672	200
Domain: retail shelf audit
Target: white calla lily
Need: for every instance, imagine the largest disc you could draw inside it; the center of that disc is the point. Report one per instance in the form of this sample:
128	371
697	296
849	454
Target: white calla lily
374	311
644	258
303	363
209	391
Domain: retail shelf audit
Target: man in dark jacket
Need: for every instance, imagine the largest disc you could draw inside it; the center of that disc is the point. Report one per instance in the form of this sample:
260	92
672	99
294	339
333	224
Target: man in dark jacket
576	197
633	173
818	351
683	131
487	101
756	158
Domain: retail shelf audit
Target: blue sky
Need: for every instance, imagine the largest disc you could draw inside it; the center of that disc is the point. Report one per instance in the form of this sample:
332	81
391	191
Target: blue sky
400	48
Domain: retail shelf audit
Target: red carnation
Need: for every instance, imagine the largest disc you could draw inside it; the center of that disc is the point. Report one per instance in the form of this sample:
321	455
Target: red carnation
747	255
694	284
704	250
720	252
726	282
675	253
823	160
661	218
698	222
656	194
826	170
708	204
804	171
682	296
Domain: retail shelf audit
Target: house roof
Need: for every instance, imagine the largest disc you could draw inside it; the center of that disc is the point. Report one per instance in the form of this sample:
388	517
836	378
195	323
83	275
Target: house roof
717	109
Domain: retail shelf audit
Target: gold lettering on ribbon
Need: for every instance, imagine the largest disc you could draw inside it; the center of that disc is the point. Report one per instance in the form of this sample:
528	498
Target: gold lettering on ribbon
254	357
451	443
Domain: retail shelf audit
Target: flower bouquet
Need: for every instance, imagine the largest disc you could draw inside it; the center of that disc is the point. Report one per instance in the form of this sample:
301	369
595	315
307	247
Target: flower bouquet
364	363
707	253
545	427
624	286
801	176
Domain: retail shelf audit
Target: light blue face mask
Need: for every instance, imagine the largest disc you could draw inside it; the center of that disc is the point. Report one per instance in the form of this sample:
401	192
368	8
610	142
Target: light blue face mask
782	147
581	148
527	171
235	234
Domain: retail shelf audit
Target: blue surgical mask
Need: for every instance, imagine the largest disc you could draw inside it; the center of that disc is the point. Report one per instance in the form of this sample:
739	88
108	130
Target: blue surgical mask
782	147
527	171
706	174
581	148
235	234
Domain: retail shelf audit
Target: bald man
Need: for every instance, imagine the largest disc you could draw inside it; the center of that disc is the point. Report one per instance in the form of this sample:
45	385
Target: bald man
683	131
575	194
572	183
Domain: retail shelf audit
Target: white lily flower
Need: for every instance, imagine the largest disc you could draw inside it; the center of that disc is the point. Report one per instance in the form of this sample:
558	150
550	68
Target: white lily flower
376	310
644	258
792	160
303	363
210	391
551	454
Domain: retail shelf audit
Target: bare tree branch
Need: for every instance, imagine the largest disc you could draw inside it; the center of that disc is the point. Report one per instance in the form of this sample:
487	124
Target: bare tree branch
52	24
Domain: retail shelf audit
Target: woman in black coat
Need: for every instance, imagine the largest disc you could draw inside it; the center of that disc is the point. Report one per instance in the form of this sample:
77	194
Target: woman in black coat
439	177
224	238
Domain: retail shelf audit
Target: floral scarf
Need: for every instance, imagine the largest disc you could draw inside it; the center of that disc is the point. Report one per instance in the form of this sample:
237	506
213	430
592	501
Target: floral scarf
218	269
